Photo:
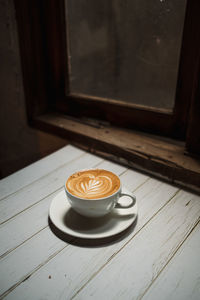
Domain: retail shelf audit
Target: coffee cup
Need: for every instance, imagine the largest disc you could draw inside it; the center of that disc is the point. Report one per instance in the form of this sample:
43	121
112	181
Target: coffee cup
96	192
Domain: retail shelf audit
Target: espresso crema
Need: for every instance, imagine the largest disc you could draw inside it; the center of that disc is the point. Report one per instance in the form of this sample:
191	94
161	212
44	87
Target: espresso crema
93	184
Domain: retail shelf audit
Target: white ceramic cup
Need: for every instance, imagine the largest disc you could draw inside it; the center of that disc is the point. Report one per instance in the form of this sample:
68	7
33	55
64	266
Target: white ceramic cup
101	206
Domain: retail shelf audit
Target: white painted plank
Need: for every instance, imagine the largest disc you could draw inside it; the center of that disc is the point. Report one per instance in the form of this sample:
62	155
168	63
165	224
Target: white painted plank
28	257
24	225
130	179
113	167
38	169
180	279
38	190
35	218
133	179
74	266
132	270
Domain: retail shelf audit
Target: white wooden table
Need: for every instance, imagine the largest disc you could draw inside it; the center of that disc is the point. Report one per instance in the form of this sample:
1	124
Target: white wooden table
159	258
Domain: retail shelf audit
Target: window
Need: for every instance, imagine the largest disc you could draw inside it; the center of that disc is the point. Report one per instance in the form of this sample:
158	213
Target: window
96	116
126	50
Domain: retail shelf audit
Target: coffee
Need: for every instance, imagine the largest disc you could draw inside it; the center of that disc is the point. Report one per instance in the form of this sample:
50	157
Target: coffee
93	184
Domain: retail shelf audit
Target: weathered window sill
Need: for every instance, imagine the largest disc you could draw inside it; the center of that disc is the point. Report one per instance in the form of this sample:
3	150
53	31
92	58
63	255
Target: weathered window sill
161	157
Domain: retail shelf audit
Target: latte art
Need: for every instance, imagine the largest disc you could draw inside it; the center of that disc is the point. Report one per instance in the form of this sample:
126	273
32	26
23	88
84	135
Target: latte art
93	184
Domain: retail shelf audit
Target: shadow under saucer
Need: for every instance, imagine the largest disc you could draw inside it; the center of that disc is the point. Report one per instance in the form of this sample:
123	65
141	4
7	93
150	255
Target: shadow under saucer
86	231
83	224
96	242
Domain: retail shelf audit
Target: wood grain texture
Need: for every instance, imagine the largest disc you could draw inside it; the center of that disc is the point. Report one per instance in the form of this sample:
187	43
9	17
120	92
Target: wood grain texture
35	264
74	266
165	158
132	271
119	113
180	280
35	171
34	219
23	226
16	267
43	26
132	180
48	184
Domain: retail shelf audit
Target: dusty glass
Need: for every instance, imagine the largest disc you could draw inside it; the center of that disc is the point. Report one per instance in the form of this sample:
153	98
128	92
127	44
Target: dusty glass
127	50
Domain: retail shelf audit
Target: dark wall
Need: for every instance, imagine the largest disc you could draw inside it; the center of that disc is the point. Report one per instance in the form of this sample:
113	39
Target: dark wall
20	145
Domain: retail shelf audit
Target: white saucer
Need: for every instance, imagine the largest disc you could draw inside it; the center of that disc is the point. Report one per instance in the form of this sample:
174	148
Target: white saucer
68	221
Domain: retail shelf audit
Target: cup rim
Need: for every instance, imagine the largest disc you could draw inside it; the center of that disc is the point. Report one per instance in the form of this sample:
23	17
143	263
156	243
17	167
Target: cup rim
102	198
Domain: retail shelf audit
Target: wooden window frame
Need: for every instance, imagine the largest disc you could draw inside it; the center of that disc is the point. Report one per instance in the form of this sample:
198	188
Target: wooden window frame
43	48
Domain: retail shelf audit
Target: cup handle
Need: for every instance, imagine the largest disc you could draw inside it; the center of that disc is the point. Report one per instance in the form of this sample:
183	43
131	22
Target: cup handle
129	194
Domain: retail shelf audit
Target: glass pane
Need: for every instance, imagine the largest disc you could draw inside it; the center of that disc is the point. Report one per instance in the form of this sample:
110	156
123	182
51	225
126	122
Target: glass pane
125	50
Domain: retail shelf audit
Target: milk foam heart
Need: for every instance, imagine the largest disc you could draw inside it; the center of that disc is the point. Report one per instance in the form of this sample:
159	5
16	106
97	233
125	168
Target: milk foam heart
93	184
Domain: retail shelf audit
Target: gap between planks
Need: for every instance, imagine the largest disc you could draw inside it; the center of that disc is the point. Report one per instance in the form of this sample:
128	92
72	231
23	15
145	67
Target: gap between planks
134	190
178	280
57	190
17	180
53	255
111	256
43	176
28	275
114	254
41	200
178	248
184	220
57	169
